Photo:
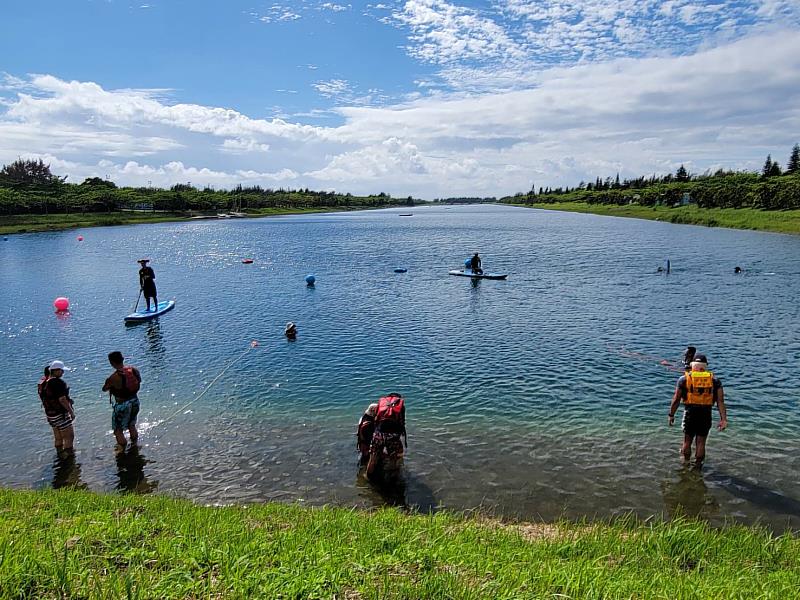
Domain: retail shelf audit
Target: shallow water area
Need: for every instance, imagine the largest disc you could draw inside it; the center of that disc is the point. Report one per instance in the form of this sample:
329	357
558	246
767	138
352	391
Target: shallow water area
541	396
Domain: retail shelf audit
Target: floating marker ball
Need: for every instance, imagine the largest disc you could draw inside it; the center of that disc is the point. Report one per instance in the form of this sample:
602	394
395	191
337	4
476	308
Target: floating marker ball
61	304
310	279
80	238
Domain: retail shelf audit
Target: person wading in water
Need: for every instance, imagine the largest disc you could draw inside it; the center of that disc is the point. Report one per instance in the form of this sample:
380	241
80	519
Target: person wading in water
699	390
386	447
147	283
54	393
123	385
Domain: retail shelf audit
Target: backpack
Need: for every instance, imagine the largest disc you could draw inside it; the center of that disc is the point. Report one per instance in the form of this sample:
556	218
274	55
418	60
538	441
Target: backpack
130	382
42	386
390	410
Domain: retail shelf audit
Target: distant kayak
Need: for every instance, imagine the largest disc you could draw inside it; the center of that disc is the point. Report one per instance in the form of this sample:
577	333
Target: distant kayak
469	273
144	315
406	215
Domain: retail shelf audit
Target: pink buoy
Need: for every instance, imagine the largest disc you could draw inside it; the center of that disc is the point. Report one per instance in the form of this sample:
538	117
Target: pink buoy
80	238
61	304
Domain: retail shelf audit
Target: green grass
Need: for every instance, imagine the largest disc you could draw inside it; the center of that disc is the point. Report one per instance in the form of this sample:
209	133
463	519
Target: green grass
786	221
73	544
35	223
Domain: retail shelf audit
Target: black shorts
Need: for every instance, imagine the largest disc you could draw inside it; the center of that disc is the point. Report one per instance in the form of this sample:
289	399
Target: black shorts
696	420
150	291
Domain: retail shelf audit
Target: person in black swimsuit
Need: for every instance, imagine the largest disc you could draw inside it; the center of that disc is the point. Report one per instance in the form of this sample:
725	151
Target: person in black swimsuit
147	282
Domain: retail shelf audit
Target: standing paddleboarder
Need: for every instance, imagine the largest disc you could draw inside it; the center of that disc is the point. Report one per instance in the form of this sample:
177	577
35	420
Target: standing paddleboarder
147	283
475	264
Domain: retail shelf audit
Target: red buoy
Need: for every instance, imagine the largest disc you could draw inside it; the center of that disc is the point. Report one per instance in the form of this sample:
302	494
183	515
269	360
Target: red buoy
247	261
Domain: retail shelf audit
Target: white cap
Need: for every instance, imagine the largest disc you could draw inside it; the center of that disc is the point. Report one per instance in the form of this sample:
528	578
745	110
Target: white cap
56	364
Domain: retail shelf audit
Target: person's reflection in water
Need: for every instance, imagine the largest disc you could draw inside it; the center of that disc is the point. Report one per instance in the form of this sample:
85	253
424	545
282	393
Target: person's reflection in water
67	471
476	282
130	470
155	339
402	490
687	495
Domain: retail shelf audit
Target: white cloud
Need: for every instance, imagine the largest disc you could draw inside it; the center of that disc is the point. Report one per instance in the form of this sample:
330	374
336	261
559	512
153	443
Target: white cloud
333	88
499	47
335	7
240	146
443	33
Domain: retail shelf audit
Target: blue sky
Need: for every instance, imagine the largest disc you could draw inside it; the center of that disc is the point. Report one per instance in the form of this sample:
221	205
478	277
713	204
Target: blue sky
431	98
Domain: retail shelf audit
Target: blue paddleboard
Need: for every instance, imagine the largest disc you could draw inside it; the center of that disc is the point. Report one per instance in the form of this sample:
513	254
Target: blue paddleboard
469	273
144	315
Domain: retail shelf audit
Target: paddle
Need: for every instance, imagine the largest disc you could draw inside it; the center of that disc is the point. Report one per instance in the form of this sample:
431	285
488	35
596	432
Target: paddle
137	300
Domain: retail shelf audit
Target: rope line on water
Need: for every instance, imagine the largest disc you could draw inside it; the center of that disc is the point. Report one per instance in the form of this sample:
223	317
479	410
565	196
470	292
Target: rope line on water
253	344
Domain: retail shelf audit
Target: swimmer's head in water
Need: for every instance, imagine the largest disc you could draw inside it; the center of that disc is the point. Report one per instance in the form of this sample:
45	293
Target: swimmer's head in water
372	409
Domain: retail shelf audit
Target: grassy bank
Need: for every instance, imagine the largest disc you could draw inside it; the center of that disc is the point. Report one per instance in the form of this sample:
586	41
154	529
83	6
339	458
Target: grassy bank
35	223
785	221
69	544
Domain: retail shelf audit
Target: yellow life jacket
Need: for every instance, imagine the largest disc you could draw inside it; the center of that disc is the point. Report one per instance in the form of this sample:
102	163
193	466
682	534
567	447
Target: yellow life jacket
699	388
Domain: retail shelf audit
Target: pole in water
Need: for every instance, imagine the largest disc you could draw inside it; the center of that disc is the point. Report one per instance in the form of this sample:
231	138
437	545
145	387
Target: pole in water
668	266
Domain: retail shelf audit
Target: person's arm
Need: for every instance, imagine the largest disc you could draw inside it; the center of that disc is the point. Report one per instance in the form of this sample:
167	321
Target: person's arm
405	435
719	398
676	402
137	374
107	384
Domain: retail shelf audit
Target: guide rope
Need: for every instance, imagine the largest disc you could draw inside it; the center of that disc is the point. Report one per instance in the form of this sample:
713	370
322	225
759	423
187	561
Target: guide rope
253	344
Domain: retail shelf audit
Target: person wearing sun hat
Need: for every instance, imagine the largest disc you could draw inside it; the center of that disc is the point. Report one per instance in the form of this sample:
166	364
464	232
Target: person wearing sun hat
147	282
699	390
54	393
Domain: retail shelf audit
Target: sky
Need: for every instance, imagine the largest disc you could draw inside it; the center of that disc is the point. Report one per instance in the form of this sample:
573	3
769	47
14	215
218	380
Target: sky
423	98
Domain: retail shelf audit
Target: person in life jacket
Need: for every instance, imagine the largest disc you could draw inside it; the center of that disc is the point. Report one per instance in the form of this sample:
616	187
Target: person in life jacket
366	427
54	394
122	387
699	390
386	448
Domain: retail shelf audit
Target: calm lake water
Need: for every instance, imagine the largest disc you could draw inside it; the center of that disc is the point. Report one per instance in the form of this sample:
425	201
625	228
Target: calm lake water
536	397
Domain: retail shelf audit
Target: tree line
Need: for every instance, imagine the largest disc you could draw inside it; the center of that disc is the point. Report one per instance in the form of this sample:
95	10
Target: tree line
29	187
771	189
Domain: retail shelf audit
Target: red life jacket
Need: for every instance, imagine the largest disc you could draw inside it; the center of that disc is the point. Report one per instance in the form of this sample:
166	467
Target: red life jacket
390	410
130	382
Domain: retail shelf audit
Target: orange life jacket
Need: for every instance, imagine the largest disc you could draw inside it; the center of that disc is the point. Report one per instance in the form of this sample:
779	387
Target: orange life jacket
699	388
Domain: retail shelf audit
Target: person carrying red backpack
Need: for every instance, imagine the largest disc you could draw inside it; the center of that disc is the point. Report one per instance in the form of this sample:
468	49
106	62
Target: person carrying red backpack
123	385
386	448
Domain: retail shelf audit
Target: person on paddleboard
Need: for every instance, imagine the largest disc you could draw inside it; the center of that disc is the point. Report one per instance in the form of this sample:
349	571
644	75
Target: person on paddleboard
475	264
147	283
123	387
699	390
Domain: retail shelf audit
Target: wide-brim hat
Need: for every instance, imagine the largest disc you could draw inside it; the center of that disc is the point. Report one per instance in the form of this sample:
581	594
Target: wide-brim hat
143	260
